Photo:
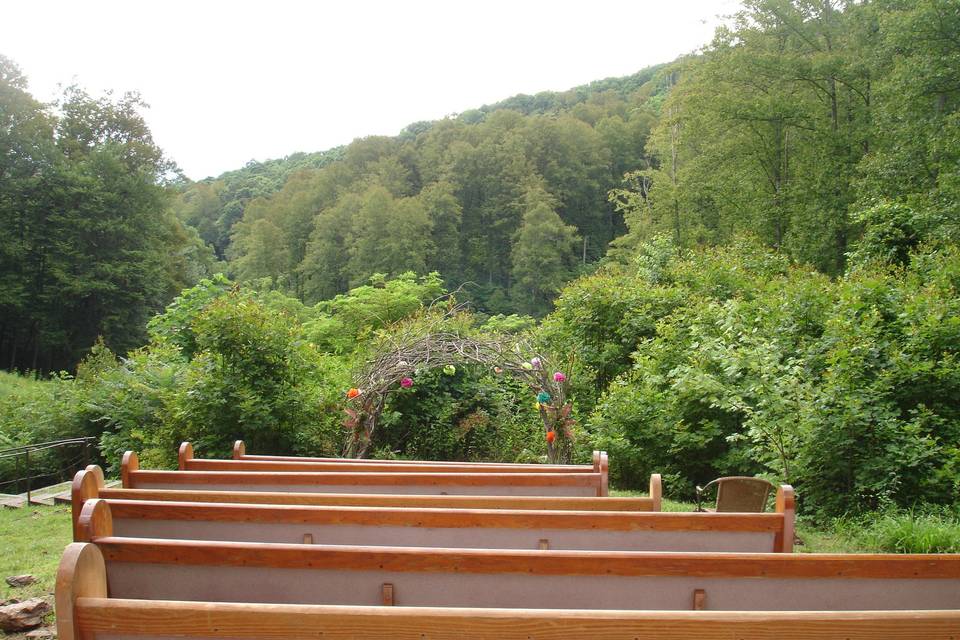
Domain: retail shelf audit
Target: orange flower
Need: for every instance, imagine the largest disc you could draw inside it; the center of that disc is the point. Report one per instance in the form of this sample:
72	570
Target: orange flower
551	436
353	393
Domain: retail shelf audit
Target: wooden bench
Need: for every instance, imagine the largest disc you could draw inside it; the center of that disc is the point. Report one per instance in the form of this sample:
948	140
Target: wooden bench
241	462
454	528
85	610
153	569
531	484
89	483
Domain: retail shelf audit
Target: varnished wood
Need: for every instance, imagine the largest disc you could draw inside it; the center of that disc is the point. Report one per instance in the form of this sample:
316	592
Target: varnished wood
446	518
308	538
96	521
128	466
251	478
786	505
699	599
197	464
565	503
303	622
184	455
81	574
240	453
87	484
604	470
656	491
532	562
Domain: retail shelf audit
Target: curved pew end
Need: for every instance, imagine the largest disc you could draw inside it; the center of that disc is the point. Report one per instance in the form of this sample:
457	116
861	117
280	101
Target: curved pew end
86	485
128	465
184	454
604	474
656	491
239	450
81	574
96	521
787	505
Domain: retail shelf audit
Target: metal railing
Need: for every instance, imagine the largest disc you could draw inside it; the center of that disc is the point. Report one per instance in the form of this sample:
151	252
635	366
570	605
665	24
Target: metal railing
22	455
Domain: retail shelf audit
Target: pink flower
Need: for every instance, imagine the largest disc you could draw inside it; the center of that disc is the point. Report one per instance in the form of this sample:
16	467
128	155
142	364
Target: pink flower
406	383
559	377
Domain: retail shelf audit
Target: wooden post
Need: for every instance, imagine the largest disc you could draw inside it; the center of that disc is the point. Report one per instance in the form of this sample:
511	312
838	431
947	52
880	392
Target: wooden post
656	491
699	599
787	505
239	450
387	591
184	455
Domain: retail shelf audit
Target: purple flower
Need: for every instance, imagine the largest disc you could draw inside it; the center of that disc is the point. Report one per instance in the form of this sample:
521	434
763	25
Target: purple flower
559	377
406	383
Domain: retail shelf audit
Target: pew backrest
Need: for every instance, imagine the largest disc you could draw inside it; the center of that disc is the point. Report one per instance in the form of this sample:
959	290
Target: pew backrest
535	484
451	528
186	461
540	579
84	609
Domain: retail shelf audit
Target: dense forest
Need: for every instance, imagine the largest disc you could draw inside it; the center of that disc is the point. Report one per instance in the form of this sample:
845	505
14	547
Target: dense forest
746	261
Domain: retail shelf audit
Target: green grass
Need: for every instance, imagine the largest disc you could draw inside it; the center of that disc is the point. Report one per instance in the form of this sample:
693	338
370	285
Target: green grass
32	540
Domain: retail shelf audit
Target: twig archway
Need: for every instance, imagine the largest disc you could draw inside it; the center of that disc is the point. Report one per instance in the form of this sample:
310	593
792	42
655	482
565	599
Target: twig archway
394	366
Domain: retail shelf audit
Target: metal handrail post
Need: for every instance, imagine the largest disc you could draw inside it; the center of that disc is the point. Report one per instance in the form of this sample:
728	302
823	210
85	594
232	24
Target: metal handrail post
26	455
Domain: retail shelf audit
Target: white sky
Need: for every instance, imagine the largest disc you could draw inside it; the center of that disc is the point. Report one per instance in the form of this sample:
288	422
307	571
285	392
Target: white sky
234	81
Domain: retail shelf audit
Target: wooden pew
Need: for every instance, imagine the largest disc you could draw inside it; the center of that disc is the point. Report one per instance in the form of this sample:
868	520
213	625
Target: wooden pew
84	610
531	484
154	569
89	483
242	462
455	528
600	461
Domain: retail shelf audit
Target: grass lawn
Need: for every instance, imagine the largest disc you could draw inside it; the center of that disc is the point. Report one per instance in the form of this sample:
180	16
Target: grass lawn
32	541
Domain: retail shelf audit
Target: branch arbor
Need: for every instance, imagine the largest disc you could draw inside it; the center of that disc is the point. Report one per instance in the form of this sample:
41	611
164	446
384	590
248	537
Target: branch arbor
398	363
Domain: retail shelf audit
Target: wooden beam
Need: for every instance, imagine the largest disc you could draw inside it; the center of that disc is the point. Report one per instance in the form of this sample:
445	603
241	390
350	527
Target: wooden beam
448	518
302	622
534	562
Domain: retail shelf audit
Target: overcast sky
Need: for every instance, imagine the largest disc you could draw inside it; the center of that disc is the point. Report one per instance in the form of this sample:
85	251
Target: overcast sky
231	82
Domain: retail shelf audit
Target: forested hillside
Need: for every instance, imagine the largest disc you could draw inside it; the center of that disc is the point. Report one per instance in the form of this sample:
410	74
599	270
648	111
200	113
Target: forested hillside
511	198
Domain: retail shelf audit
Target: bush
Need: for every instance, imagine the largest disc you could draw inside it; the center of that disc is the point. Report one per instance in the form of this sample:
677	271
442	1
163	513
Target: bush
846	389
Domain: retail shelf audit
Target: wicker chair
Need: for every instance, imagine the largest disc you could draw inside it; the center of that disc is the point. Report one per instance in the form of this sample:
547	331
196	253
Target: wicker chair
738	493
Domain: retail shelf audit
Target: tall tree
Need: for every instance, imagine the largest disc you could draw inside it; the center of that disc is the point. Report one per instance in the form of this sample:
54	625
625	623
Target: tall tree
544	254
